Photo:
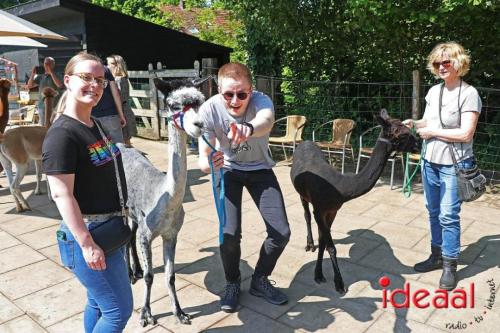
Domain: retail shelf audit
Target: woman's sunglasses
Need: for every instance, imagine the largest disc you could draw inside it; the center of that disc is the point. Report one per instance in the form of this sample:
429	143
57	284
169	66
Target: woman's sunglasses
444	63
229	95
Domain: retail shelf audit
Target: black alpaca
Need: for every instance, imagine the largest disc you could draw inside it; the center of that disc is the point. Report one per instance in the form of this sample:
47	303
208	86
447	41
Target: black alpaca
327	189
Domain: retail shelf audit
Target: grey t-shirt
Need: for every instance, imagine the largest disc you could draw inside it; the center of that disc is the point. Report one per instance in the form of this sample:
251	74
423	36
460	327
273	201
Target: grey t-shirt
437	150
248	156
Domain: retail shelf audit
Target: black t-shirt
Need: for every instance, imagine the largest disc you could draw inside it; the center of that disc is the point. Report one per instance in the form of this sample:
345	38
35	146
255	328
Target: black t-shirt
71	147
106	106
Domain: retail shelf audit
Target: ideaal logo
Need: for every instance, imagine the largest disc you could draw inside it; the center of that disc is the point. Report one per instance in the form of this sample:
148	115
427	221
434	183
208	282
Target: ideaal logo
422	298
439	299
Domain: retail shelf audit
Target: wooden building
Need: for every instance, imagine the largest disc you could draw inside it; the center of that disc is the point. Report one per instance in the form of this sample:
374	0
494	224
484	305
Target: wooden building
103	31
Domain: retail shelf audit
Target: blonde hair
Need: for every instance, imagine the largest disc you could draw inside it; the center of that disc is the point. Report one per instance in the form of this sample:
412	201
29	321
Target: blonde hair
120	68
235	71
457	54
68	70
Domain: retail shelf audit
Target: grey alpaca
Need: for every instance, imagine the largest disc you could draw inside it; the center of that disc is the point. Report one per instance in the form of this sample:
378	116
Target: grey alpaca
327	189
155	198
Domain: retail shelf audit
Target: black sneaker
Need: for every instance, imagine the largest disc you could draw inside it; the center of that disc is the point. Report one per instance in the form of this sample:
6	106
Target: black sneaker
229	302
262	287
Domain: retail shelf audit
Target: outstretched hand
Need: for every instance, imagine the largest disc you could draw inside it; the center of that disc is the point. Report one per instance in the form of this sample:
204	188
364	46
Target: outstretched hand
239	133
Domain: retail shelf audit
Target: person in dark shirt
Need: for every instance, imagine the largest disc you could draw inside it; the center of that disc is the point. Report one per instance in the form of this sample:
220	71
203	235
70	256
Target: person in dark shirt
81	173
109	110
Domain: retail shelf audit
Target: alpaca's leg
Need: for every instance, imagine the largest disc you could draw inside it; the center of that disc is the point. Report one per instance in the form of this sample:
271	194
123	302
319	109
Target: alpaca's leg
134	270
38	172
7	166
146	316
307	215
15	188
318	270
169	260
330	247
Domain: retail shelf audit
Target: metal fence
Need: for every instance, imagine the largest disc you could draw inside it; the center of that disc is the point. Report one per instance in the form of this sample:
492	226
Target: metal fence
322	101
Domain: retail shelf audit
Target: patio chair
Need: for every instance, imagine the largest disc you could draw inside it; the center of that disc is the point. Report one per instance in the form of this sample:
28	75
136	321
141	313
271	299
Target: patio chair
26	116
340	142
293	133
366	152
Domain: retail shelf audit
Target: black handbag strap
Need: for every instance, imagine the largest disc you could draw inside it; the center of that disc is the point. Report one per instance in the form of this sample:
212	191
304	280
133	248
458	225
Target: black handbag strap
117	172
451	145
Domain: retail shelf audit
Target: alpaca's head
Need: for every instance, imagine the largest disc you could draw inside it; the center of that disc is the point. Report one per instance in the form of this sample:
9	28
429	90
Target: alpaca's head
4	86
49	92
182	101
398	134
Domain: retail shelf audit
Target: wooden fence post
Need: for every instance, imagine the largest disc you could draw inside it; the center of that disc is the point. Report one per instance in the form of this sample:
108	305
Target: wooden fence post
154	106
415	105
209	67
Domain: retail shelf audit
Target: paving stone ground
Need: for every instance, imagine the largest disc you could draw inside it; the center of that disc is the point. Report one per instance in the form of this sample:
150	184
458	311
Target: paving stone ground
379	234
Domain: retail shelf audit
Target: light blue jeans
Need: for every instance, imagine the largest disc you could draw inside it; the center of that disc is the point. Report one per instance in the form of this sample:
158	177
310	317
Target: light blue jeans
109	295
443	205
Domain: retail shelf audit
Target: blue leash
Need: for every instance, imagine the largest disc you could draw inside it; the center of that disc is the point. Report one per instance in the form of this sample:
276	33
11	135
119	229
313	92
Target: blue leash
219	202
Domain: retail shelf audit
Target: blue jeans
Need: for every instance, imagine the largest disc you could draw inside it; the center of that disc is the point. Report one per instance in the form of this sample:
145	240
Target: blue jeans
443	205
109	295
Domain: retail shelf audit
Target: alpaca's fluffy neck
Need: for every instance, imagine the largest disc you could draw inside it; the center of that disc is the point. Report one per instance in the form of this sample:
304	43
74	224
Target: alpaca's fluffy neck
177	164
366	179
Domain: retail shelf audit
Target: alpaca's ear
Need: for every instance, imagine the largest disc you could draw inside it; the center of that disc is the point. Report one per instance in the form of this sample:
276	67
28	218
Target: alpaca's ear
162	86
198	82
383	118
384	114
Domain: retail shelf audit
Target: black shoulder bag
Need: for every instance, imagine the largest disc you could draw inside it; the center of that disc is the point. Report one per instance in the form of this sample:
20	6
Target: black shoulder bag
112	235
470	182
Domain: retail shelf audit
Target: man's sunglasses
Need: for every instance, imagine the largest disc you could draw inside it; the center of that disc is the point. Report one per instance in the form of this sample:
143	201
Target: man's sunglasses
229	95
444	63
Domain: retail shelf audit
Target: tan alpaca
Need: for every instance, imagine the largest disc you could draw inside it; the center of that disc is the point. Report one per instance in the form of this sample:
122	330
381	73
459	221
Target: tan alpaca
48	93
18	146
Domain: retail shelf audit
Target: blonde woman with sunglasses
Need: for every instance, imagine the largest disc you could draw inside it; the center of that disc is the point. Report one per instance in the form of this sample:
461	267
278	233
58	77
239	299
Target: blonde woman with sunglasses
81	172
118	68
451	115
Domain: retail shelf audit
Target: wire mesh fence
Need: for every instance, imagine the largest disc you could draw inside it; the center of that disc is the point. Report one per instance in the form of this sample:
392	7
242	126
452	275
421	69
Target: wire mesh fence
322	101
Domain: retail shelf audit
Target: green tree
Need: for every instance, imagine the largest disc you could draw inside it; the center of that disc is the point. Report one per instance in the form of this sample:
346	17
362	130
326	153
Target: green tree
372	40
230	35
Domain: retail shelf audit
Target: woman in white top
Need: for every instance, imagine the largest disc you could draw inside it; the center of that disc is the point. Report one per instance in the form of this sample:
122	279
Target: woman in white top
451	115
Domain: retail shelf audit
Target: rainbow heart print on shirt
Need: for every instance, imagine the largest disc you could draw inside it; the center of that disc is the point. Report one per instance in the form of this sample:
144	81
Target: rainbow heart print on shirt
100	154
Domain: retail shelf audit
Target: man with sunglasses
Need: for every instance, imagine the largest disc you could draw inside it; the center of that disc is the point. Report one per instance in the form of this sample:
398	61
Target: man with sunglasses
237	121
43	78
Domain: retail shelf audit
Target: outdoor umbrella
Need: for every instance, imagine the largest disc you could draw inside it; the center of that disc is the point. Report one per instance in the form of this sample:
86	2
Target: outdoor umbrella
11	25
20	41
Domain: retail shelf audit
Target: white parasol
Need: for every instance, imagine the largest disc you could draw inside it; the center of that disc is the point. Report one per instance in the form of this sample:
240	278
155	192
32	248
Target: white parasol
11	25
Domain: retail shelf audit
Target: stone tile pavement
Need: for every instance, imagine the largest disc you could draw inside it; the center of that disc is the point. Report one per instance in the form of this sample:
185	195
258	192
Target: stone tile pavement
379	234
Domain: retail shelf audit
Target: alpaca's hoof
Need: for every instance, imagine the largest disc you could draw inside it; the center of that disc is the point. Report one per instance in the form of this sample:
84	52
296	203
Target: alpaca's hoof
319	278
22	209
311	247
342	290
184	318
147	319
